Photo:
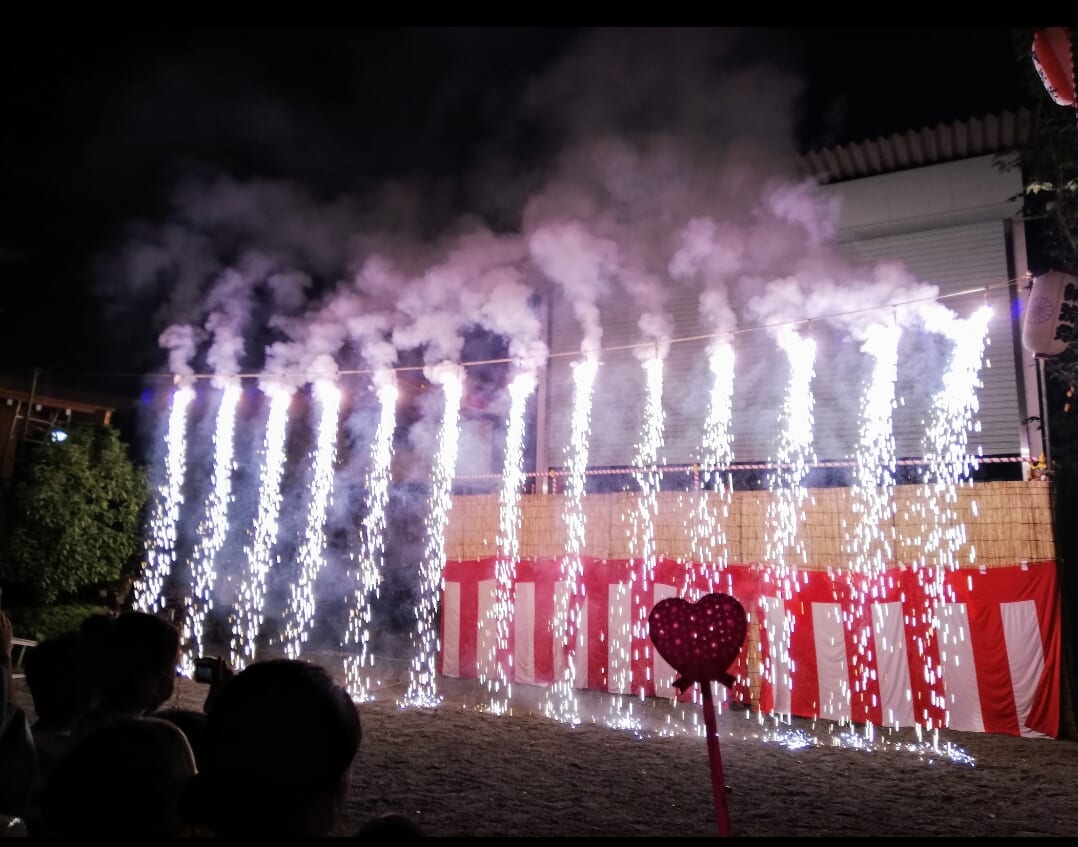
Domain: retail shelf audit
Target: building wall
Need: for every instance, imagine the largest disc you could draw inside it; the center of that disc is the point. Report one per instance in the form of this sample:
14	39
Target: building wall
952	225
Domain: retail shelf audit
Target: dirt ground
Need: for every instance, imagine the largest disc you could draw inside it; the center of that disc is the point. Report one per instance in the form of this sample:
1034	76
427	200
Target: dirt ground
459	769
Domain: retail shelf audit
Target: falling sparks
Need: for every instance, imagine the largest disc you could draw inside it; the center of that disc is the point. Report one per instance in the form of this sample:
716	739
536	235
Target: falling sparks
561	701
794	454
875	461
212	530
946	447
422	686
251	599
501	615
161	555
312	552
635	644
870	547
666	718
946	443
785	511
372	545
717	454
869	541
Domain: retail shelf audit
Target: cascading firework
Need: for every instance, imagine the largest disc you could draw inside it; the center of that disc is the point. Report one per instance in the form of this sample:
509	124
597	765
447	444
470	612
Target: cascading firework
869	542
249	611
642	524
371	545
161	552
422	682
946	448
716	457
499	686
785	549
312	552
212	529
870	547
561	702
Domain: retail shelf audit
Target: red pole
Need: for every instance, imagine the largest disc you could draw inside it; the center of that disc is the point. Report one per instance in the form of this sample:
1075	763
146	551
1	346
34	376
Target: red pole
718	782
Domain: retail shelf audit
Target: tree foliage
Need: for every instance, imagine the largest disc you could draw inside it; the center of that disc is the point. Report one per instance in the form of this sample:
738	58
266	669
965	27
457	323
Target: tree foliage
1049	165
1050	207
74	517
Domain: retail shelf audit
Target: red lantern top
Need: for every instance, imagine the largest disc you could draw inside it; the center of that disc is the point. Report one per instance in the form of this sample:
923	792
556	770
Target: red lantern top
1055	64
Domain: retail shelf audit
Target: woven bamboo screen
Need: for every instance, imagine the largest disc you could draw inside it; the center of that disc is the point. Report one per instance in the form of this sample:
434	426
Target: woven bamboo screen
985	524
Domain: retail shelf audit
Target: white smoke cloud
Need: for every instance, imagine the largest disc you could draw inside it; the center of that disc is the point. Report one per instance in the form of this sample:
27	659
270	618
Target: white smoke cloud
289	289
508	311
663	167
671	168
231	299
181	341
582	265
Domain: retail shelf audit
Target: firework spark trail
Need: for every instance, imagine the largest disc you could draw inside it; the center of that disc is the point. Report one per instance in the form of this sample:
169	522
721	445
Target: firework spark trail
211	531
250	602
707	532
312	553
946	447
785	550
372	546
946	442
161	546
708	536
499	687
422	682
870	547
561	703
642	524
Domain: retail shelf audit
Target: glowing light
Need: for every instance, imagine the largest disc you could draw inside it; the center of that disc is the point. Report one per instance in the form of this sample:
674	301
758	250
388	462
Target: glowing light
250	602
161	545
498	685
636	644
871	544
709	543
312	552
785	550
422	681
665	718
372	545
949	464
211	531
794	455
561	703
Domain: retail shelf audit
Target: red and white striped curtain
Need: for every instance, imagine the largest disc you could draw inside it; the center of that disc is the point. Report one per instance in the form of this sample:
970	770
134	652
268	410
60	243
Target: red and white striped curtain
974	650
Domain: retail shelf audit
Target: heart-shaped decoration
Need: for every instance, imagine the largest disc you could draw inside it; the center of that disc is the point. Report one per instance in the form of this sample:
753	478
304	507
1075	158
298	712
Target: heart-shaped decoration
700	640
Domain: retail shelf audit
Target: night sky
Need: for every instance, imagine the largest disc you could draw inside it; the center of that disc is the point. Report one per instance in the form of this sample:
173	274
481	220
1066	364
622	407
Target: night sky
407	129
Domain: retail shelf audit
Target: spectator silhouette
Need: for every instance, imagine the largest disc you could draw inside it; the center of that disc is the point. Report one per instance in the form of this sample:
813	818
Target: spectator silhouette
18	759
123	779
390	825
279	740
191	723
62	690
134	658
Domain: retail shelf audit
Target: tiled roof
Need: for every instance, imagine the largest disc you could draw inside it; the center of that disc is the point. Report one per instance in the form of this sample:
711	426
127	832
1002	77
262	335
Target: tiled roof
993	133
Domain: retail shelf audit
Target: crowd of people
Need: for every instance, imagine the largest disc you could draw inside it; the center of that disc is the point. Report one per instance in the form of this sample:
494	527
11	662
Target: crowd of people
270	754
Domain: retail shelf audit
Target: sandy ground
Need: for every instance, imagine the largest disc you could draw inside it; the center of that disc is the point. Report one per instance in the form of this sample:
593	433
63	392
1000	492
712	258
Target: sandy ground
459	769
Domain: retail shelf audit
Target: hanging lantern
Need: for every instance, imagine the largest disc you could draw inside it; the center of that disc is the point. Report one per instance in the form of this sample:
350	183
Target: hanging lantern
1050	322
1055	64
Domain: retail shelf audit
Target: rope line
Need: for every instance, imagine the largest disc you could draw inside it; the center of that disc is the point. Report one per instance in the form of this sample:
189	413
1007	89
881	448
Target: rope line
737	466
310	375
